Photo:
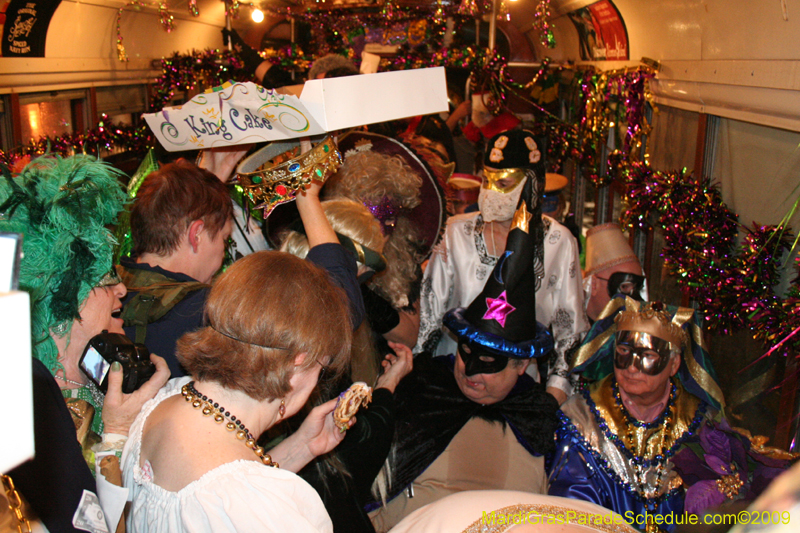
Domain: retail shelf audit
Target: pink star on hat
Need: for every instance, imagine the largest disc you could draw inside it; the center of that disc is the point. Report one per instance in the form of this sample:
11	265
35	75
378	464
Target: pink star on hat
498	309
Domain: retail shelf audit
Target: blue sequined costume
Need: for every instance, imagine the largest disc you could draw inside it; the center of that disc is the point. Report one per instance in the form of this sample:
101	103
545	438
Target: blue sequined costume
603	455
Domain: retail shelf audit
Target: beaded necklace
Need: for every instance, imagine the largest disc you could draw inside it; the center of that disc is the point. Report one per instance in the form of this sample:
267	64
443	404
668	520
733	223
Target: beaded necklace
209	407
689	433
665	421
569	430
66	380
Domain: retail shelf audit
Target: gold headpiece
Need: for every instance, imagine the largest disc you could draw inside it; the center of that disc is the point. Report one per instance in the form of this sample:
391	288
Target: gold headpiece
269	184
663	322
654	319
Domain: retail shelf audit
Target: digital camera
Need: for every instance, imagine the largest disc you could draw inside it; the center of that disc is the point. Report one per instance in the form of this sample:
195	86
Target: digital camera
104	349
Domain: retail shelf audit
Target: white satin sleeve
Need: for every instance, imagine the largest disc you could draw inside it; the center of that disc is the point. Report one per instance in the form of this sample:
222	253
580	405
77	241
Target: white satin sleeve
455	275
559	302
435	294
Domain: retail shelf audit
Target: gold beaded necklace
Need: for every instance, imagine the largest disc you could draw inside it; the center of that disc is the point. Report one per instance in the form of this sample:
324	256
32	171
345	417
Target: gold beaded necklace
209	407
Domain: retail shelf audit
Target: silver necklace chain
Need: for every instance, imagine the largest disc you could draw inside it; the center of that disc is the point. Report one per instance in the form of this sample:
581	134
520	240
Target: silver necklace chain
490	227
69	380
97	394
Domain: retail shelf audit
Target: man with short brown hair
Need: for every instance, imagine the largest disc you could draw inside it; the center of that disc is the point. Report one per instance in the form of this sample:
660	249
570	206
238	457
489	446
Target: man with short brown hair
180	224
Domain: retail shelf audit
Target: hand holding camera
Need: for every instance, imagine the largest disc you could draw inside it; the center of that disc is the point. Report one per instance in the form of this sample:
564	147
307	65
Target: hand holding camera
127	373
105	349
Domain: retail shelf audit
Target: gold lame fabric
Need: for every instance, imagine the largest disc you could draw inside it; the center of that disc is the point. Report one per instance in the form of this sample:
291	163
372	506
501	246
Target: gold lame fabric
82	413
699	373
641	441
588	349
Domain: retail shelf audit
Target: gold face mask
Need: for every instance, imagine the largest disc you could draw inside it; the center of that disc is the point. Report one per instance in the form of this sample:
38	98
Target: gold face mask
502	181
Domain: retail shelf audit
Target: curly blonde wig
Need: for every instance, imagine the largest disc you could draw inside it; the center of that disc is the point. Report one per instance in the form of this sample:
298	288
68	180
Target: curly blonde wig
370	177
347	217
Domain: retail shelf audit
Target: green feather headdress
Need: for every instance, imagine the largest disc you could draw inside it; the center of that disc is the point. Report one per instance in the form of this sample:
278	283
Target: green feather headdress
62	207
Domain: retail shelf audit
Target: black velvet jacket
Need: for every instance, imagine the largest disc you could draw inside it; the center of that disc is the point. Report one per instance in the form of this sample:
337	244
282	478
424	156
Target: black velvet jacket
54	480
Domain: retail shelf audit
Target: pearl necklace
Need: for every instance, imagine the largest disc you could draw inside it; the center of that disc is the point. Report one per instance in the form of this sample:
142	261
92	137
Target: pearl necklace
210	407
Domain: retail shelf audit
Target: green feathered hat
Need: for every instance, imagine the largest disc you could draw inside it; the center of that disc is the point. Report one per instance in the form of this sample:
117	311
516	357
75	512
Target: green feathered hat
61	206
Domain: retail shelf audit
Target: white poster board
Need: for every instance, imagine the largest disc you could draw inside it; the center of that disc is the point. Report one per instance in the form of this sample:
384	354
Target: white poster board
242	113
16	446
350	101
10	255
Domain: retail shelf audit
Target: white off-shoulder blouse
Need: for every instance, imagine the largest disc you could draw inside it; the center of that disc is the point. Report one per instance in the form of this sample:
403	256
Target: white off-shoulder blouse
238	496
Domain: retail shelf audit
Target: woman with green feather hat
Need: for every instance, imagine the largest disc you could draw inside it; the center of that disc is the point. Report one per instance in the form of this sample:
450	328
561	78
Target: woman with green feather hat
62	206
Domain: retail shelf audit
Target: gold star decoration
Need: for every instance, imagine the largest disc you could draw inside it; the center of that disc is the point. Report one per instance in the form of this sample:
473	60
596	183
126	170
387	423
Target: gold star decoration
521	218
